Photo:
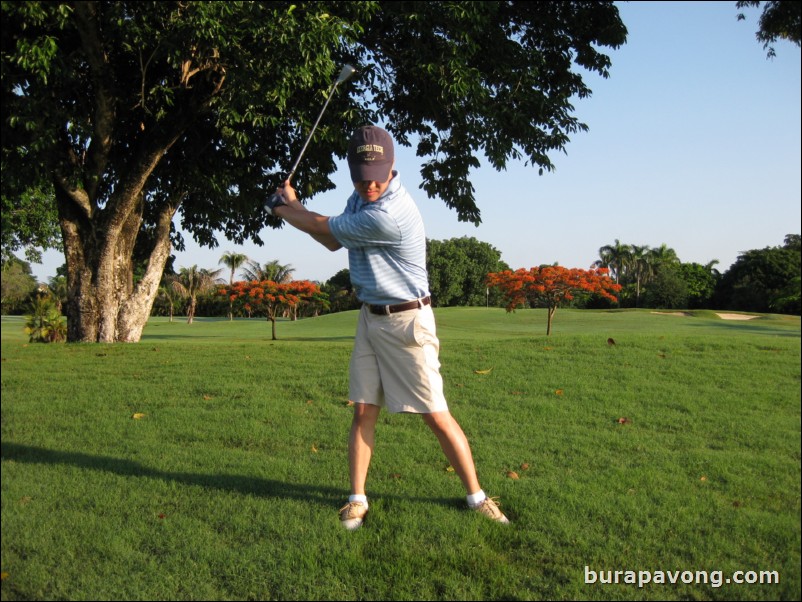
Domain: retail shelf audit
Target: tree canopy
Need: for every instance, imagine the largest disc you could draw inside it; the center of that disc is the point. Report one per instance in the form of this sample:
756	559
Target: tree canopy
551	286
458	268
764	280
271	298
136	113
29	223
16	285
780	20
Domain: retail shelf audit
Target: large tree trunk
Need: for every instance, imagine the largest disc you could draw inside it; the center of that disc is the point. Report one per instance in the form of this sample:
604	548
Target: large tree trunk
103	305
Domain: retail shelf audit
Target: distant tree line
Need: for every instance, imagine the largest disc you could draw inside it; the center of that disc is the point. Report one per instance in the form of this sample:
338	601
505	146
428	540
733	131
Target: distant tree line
761	280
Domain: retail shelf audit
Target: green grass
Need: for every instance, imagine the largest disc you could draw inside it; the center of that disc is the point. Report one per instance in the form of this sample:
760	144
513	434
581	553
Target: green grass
228	487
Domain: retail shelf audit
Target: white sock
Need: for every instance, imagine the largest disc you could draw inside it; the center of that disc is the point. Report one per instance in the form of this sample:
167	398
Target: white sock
474	499
359	498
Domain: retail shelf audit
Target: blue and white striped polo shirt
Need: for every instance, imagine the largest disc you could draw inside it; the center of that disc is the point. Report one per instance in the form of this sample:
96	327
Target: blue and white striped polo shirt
386	246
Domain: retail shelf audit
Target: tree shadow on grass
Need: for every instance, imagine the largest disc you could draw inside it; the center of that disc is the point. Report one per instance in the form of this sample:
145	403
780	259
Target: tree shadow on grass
268	488
751	327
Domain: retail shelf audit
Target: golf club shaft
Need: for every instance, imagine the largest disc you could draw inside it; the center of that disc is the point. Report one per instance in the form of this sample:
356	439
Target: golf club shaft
308	138
347	71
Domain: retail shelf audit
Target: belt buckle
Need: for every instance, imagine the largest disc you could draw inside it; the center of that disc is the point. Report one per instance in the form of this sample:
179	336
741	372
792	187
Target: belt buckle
380	310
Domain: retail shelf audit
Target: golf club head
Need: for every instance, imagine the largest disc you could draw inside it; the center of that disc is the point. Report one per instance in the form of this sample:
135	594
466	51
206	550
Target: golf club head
346	72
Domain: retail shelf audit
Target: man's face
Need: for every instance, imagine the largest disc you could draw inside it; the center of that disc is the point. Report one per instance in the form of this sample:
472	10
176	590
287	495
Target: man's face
371	191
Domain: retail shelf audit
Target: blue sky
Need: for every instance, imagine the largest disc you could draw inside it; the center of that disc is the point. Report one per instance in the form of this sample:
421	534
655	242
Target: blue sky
694	142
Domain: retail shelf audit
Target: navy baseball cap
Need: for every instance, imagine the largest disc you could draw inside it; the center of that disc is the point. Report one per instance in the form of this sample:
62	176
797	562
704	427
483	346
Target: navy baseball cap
370	154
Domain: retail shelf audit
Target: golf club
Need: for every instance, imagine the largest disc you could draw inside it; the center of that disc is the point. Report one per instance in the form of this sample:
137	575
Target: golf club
346	72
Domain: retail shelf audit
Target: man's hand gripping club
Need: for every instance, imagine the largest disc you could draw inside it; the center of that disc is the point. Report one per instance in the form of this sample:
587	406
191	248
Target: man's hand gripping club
295	214
281	198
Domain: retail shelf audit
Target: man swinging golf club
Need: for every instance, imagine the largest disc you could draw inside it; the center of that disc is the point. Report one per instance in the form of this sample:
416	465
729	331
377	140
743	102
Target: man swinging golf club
394	363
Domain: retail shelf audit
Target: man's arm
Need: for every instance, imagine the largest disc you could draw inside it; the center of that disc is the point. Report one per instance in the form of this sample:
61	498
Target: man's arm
314	224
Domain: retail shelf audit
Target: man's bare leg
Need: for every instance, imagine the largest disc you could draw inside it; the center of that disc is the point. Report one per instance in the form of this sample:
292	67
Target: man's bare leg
360	444
360	451
456	448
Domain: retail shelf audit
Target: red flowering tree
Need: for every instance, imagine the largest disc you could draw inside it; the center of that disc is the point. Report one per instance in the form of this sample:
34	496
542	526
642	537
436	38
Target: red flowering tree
549	286
271	298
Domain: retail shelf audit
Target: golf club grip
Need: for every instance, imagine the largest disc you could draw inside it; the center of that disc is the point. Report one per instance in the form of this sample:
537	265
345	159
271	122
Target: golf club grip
272	201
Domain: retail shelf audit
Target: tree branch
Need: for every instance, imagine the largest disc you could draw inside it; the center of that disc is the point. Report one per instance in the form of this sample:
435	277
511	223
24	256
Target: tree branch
86	22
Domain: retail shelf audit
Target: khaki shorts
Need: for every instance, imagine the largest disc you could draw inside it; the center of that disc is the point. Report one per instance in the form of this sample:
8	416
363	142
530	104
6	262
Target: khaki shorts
395	362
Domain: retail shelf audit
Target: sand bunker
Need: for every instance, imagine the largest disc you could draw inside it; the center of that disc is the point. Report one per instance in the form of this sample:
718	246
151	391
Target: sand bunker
722	316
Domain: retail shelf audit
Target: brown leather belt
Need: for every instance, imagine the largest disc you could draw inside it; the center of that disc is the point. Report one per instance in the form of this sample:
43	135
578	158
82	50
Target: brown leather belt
386	310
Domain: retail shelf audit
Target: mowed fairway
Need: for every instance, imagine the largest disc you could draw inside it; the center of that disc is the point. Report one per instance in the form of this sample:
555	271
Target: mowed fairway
208	462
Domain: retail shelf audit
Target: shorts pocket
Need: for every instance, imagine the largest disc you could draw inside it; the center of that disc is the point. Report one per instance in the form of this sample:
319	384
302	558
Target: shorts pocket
424	330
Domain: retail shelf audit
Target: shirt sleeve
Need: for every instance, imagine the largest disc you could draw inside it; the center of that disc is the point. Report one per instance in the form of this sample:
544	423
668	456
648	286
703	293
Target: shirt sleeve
372	226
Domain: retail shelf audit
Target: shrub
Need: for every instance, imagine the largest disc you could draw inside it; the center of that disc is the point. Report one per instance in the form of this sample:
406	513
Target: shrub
45	324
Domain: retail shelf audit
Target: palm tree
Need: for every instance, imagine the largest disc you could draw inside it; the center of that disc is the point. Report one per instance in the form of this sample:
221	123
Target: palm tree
273	271
710	267
58	290
170	295
191	281
641	266
616	258
232	261
663	256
